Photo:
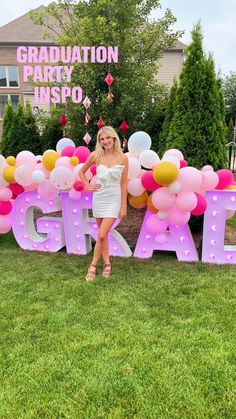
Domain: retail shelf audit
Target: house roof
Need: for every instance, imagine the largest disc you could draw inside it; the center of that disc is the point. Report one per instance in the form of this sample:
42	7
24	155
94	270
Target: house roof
23	31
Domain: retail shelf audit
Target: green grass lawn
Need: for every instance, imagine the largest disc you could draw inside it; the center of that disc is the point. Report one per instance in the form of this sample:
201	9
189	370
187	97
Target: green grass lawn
157	340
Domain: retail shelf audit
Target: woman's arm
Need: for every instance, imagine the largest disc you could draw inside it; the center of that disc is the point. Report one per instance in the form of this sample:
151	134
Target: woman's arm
84	169
123	184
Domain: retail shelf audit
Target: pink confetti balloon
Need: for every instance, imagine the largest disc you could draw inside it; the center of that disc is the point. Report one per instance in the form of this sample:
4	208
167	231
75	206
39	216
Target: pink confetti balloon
47	191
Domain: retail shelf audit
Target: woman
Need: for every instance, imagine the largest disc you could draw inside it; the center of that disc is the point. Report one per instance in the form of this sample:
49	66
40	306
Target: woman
109	193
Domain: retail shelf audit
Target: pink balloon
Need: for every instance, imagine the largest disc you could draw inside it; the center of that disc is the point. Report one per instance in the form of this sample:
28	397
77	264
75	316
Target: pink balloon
26	158
78	185
162	199
63	161
68	151
5	223
210	180
178	217
226	178
82	153
134	168
207	168
93	169
154	225
186	201
148	182
31	187
183	163
16	189
5	207
201	205
5	194
75	195
190	179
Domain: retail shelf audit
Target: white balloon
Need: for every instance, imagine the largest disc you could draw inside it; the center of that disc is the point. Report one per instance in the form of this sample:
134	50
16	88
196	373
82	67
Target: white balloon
38	176
162	215
139	141
175	188
135	187
148	158
134	168
64	142
3	162
172	159
174	152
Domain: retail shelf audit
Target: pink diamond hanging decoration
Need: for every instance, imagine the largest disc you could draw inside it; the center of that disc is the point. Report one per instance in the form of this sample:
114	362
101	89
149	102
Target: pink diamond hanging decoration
86	102
100	123
124	127
109	79
87	138
87	118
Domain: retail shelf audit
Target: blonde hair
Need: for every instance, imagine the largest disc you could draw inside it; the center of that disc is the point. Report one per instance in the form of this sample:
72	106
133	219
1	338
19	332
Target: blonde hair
99	150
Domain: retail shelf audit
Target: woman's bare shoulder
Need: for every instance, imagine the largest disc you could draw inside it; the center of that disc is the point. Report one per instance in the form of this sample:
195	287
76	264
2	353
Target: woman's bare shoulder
124	159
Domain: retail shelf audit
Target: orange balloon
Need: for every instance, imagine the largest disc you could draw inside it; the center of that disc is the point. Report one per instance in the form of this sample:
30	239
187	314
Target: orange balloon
150	205
138	201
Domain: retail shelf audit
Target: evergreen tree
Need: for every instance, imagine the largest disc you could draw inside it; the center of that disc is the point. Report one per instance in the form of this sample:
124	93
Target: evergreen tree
230	131
51	134
7	121
141	42
198	126
170	108
31	141
17	132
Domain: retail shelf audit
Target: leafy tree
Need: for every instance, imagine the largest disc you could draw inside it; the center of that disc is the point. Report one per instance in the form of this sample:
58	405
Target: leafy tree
138	97
198	126
7	121
229	89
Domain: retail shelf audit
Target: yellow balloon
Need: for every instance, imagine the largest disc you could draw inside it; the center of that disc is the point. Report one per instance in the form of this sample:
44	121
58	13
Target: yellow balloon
74	161
138	201
49	159
231	187
165	173
11	160
8	174
150	205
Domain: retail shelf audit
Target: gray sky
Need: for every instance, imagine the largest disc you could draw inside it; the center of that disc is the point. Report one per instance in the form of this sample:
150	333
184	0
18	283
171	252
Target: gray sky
218	22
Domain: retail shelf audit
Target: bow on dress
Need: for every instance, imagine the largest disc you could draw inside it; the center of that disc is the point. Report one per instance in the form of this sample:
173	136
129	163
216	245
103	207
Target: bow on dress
109	175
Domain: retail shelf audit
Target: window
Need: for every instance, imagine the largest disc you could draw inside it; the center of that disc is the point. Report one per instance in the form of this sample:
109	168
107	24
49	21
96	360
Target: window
3	102
9	76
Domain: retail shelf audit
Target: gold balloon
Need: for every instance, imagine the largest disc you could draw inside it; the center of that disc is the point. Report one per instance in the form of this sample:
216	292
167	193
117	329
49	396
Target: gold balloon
11	160
49	159
74	161
150	205
8	174
138	201
231	187
165	173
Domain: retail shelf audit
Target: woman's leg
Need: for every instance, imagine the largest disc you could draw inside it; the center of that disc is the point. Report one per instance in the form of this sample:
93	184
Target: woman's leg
101	247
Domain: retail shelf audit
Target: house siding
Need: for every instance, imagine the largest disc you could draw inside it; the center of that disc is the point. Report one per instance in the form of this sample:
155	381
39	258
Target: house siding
170	67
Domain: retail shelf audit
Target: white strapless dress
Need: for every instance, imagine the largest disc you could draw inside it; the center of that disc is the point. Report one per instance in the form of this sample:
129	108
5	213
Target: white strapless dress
107	200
